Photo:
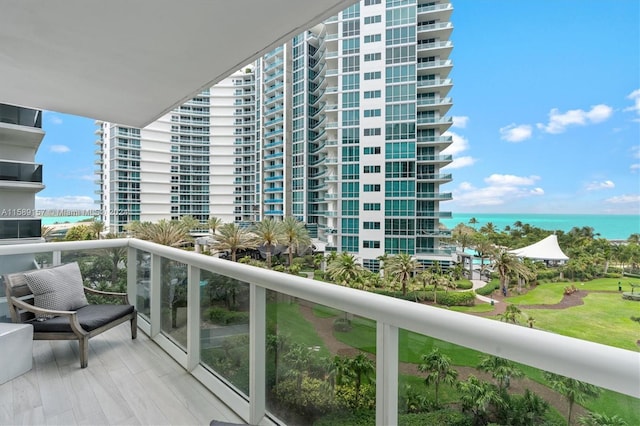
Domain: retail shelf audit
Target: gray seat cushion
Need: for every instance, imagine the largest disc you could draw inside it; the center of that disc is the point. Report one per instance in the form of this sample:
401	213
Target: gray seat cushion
90	318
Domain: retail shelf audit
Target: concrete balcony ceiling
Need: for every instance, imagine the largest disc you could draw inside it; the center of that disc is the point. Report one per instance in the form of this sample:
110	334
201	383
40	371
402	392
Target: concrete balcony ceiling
131	62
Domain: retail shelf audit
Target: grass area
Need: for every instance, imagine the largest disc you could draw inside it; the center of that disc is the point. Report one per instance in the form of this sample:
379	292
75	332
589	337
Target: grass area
290	323
604	318
322	311
478	308
543	294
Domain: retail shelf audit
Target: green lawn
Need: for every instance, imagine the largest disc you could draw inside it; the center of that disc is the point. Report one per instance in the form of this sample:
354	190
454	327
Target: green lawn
290	323
479	307
604	318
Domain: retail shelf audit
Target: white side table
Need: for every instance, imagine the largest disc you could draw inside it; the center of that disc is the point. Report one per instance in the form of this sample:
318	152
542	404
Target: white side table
16	350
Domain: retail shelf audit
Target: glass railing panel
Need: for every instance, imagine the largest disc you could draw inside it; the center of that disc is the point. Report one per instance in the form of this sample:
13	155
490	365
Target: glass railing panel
315	371
444	383
143	283
224	328
173	301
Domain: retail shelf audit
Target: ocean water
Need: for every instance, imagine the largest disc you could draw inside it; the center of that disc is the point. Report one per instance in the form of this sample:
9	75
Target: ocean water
611	227
50	220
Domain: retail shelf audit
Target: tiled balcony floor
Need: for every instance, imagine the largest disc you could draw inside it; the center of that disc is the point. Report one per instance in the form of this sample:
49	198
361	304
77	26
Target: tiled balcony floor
127	382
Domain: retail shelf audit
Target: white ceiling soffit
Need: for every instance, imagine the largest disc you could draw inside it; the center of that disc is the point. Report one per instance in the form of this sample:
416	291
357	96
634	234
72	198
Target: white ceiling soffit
131	61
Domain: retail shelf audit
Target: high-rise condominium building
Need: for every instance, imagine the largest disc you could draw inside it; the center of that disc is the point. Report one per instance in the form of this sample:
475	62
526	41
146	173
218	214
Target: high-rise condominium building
343	128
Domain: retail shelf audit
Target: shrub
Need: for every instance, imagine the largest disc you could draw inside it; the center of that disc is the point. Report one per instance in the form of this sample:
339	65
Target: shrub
489	288
342	324
446	417
464	285
346	397
225	317
312	399
462	298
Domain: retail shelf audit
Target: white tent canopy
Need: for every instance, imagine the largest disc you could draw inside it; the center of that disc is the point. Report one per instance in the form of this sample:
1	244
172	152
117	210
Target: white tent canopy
546	249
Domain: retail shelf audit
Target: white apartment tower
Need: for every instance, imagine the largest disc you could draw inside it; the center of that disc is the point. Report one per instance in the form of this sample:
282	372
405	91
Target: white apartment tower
172	168
343	128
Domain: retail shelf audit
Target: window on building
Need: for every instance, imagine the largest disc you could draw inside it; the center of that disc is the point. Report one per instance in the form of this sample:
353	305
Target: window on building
369	57
371	188
372	112
371	225
371	150
375	75
372	132
351	82
371	244
372	94
371	206
372	38
372	19
372	169
350	100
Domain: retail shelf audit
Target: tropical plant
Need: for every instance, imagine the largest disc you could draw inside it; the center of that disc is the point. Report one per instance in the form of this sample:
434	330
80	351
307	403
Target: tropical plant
438	367
401	268
169	233
268	233
79	233
572	390
214	223
295	236
233	238
507	265
97	227
596	419
500	369
478	396
511	314
344	270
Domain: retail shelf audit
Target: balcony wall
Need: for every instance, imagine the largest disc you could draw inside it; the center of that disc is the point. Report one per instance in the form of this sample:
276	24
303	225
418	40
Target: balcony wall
179	293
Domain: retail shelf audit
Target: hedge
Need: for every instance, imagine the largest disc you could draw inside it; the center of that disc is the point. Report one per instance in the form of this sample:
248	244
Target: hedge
488	288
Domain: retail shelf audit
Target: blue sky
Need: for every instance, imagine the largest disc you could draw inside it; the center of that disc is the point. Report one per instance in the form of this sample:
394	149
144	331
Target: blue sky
546	113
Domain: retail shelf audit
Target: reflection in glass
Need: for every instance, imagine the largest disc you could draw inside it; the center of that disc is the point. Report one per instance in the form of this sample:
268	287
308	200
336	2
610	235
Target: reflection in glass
224	329
143	283
173	300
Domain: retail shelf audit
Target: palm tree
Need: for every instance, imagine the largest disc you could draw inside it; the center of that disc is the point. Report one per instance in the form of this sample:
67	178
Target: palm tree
596	419
168	233
214	223
573	390
507	265
97	227
190	223
296	235
501	369
511	314
360	368
473	221
401	267
344	270
477	396
46	231
438	367
269	233
233	238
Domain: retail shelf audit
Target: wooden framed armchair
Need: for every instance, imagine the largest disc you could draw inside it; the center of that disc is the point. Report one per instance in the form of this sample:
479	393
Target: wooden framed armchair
54	301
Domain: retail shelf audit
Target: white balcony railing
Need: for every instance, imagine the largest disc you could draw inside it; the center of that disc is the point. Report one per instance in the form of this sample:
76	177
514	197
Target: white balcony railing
604	366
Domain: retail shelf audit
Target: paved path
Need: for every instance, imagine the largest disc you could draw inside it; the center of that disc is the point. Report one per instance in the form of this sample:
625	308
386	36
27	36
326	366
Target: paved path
477	284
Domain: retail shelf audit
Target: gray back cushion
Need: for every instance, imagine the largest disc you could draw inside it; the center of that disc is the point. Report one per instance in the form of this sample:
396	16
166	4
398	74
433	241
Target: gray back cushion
59	288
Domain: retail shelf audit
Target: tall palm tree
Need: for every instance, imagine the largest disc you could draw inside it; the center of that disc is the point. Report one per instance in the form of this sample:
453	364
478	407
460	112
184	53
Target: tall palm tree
478	396
438	367
97	227
233	238
214	223
269	233
168	233
573	390
500	369
296	235
401	267
344	270
508	265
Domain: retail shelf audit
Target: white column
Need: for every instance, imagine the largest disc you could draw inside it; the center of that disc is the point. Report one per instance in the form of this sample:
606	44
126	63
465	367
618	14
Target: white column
193	317
257	354
386	375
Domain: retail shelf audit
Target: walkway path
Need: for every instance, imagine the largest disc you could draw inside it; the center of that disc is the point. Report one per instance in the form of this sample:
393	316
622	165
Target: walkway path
479	284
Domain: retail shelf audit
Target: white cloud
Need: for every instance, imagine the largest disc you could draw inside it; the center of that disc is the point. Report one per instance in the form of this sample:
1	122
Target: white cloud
558	122
510	180
60	149
635	151
52	117
635	97
460	162
89	177
67	202
635	167
460	121
500	190
459	144
594	186
516	133
624	199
